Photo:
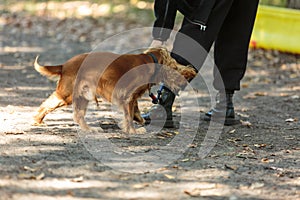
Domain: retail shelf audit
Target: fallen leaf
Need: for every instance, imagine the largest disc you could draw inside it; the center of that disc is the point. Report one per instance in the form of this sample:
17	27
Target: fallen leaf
246	156
260	94
193	193
140	186
246	123
115	137
291	120
280	174
232	131
260	145
30	169
77	179
257	185
196	192
266	160
245	85
276	168
288	151
283	94
169	176
244	115
14	133
234	140
168	134
248	149
31	176
249	96
258	63
163	169
70	193
185	160
192	145
295	97
40	176
24	176
106	122
241	155
231	167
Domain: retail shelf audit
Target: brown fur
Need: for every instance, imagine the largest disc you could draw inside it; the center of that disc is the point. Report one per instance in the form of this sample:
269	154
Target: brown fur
86	75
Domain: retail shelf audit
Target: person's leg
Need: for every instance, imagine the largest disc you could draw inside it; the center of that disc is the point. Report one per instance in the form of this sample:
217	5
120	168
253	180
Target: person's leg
230	54
191	46
232	43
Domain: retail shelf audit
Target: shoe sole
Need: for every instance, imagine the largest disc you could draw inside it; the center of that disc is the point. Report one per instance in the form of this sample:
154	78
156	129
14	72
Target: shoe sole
168	123
227	122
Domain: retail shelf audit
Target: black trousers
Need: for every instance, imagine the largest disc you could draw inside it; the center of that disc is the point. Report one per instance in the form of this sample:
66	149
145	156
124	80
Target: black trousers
229	27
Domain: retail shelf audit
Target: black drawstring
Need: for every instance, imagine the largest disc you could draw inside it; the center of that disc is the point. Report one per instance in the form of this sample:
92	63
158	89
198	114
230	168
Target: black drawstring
155	99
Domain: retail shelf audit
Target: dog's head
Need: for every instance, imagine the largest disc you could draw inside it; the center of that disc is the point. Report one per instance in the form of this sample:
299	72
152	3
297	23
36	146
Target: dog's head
174	74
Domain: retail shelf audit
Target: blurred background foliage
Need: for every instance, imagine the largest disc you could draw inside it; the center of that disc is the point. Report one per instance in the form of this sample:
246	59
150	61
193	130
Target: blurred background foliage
140	11
136	9
98	18
137	12
282	3
113	6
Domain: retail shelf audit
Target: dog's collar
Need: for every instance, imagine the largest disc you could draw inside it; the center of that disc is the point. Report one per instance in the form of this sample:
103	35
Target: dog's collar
154	58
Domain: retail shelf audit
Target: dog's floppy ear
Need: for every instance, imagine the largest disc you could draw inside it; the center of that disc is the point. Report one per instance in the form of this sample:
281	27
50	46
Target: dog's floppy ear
172	78
187	71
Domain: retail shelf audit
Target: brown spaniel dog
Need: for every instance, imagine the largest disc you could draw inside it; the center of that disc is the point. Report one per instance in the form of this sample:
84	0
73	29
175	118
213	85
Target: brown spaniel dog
119	79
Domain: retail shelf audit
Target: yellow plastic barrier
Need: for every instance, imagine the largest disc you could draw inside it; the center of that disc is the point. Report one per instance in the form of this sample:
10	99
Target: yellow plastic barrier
277	28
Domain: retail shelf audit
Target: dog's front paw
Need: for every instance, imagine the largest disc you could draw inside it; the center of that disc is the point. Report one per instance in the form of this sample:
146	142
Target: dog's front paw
140	130
34	123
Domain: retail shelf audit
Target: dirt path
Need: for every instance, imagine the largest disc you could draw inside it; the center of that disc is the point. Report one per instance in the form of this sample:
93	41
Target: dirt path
258	159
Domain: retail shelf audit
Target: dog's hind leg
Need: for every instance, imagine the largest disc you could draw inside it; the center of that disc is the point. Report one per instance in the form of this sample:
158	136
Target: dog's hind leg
137	114
54	101
79	109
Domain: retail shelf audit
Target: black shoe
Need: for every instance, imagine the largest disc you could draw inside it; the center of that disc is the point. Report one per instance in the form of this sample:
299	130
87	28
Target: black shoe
223	110
162	112
157	116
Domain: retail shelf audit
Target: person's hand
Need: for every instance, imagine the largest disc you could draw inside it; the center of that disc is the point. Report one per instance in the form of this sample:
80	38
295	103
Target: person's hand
156	44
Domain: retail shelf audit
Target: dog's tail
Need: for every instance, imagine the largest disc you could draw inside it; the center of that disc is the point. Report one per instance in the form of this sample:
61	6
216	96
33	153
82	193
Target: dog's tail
52	72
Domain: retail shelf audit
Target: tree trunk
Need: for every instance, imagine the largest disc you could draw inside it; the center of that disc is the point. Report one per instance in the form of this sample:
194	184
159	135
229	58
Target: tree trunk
293	4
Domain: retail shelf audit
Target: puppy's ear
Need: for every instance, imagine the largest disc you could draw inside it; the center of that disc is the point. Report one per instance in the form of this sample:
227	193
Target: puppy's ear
187	71
172	78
